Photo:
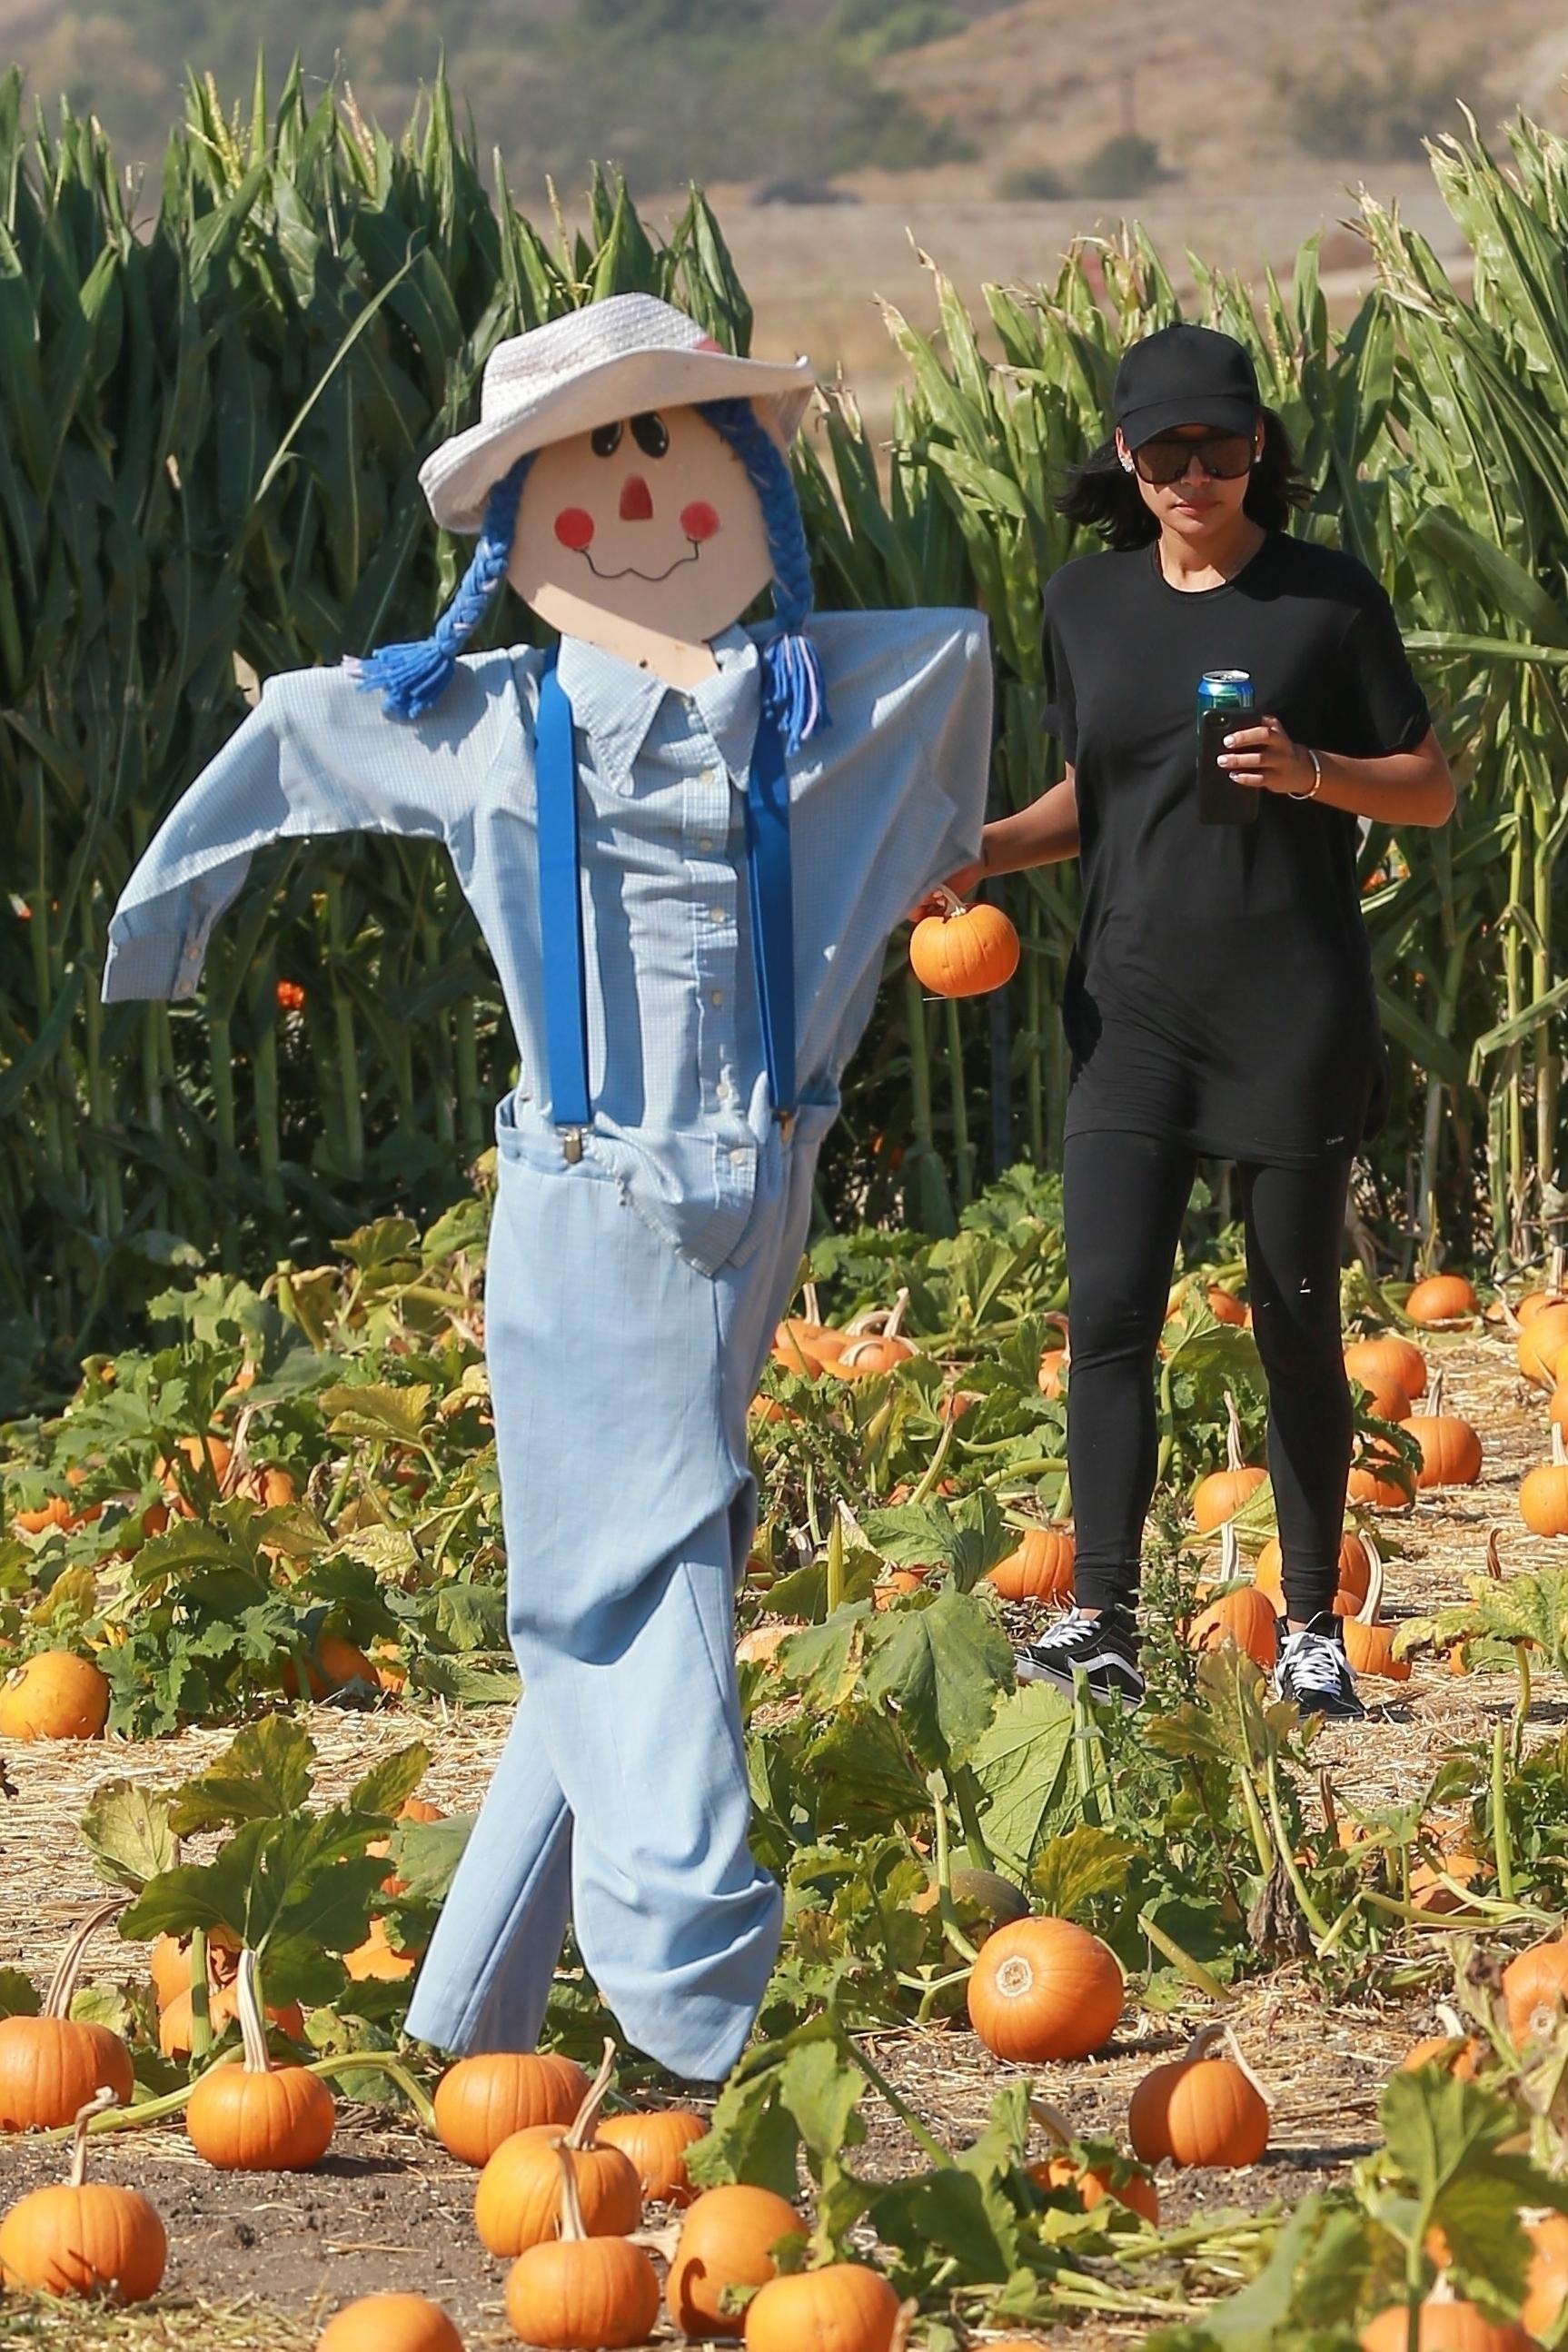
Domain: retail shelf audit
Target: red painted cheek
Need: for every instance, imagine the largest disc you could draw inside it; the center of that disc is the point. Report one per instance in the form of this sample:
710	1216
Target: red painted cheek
699	520
574	527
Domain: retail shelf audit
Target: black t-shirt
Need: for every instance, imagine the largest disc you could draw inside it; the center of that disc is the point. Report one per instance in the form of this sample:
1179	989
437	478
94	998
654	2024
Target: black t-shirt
1220	991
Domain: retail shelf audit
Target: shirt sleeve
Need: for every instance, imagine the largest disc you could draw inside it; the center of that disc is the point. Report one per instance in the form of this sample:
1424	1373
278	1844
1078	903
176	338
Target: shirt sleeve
1383	694
1059	715
315	756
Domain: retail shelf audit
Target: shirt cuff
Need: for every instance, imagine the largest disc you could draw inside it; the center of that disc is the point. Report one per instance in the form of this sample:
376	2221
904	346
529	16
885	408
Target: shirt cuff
160	964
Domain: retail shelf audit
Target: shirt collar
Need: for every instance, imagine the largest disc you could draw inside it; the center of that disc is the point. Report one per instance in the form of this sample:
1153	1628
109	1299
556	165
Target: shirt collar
616	703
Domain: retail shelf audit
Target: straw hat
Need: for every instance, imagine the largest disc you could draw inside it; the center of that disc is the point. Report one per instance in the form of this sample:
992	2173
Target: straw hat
593	366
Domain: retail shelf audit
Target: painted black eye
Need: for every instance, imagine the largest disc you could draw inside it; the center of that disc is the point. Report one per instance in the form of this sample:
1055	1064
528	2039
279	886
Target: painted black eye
650	433
606	440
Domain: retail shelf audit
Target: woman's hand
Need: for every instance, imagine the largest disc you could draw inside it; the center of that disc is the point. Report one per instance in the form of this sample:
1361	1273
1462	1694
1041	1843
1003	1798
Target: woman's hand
1263	754
961	884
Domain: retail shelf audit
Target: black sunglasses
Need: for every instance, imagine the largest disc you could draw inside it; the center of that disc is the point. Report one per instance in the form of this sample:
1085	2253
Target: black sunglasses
1225	456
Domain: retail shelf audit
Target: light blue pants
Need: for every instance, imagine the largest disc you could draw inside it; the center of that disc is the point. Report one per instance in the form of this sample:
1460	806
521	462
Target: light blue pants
620	1374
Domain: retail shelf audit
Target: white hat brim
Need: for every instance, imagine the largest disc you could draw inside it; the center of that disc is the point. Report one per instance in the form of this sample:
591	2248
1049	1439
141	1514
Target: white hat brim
457	478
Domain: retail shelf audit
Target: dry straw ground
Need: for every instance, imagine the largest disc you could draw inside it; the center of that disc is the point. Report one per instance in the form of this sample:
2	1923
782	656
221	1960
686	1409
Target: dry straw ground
257	2263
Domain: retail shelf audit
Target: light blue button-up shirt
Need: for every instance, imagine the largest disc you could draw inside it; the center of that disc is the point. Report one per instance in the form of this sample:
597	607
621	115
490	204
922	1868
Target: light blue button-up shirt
882	803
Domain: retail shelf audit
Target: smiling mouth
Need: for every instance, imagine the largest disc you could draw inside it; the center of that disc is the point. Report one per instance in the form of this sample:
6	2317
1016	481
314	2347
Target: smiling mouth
630	570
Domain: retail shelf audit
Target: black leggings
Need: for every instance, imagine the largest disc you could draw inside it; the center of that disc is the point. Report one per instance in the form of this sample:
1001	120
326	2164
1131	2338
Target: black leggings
1123	1197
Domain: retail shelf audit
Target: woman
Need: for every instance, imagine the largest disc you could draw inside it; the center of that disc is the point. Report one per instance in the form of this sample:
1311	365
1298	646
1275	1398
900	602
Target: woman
1220	998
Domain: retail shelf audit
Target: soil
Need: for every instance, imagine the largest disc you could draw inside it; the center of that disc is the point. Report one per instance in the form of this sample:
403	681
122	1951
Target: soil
259	2262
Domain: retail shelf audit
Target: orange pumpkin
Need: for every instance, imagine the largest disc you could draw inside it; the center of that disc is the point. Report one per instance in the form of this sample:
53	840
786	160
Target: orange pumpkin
175	2024
220	1460
1198	2110
1388	1358
761	1645
52	2066
1246	1618
1457	2054
481	2101
86	2238
1221	1495
54	1696
518	2200
1226	1307
1535	1989
964	950
332	1664
1442	1298
374	1961
1092	2183
1369	1643
727	2239
390	2323
56	1513
1543	1492
1040	1570
257	2117
1451	1448
1449	2325
1546	2283
581	2291
843	2307
1557	1406
1385	1398
1541	1344
1368	1482
1044	1987
657	2140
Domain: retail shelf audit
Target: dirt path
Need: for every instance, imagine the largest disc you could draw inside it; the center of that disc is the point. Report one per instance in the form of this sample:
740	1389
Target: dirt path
257	2263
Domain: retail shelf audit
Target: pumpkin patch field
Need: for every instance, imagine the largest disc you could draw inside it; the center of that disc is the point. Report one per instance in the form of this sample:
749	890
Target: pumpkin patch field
1195	2027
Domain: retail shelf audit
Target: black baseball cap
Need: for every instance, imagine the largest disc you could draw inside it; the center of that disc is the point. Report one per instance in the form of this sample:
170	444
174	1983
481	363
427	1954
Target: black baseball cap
1183	375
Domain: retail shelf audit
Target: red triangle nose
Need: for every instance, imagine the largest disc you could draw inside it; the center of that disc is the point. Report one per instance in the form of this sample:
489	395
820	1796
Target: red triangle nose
636	500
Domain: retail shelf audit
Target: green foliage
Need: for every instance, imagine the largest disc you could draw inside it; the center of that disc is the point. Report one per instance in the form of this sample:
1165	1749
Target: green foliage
1125	165
1387	111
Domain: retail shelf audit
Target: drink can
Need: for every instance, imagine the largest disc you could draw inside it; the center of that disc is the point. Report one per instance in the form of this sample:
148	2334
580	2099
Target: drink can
1225	689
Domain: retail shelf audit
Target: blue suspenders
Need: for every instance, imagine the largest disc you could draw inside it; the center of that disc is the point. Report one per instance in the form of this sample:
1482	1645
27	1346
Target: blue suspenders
561	910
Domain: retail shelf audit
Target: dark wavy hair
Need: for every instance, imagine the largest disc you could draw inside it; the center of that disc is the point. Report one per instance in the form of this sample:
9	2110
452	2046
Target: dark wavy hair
1102	496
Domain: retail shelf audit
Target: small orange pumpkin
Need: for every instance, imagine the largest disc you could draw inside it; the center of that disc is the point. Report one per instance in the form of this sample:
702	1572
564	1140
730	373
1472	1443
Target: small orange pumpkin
964	950
1368	1482
1040	1570
1200	2110
868	1349
1354	1572
389	2323
481	2101
333	1663
1369	1643
656	2140
1451	1448
1543	1492
257	2117
1456	2055
1045	1988
1388	1358
52	2066
86	2238
1546	2283
1385	1398
1219	1495
842	2307
1541	1344
1442	1298
1093	2182
1535	1989
1244	1617
1446	2324
727	2239
577	2292
518	2201
54	1696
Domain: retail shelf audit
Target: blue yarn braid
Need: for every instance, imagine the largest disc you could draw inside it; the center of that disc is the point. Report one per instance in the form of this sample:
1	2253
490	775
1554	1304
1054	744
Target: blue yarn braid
792	671
410	678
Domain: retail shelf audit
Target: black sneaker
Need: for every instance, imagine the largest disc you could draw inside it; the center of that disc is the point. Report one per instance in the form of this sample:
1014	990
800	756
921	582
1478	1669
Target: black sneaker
1314	1671
1106	1647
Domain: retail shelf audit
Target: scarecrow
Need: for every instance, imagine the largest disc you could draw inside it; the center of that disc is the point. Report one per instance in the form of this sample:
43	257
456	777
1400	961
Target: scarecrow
685	842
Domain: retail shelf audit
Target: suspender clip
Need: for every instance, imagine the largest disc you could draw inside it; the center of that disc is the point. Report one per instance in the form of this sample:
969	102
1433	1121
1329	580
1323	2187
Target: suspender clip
572	1144
786	1123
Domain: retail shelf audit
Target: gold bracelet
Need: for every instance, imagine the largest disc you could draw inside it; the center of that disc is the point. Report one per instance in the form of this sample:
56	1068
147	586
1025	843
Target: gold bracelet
1311	792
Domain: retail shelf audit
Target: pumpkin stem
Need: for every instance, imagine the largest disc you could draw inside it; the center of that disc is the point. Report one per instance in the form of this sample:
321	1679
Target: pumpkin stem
580	2133
1054	2121
62	1984
1202	2041
1494	1555
252	2031
903	2321
1367	1613
1559	1454
1554	1275
945	900
1229	1553
1233	1459
1450	2021
569	2226
900	1300
1239	2057
1435	1396
106	2096
809	1301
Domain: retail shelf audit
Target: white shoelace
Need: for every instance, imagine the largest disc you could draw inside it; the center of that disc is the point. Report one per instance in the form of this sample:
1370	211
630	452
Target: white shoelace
1316	1661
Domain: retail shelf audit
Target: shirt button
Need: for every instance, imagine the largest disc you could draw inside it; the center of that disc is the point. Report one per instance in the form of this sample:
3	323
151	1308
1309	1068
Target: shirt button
706	842
717	997
716	914
737	1155
712	776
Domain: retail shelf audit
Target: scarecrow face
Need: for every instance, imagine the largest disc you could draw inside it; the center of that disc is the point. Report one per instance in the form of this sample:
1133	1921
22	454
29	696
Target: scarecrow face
645	529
